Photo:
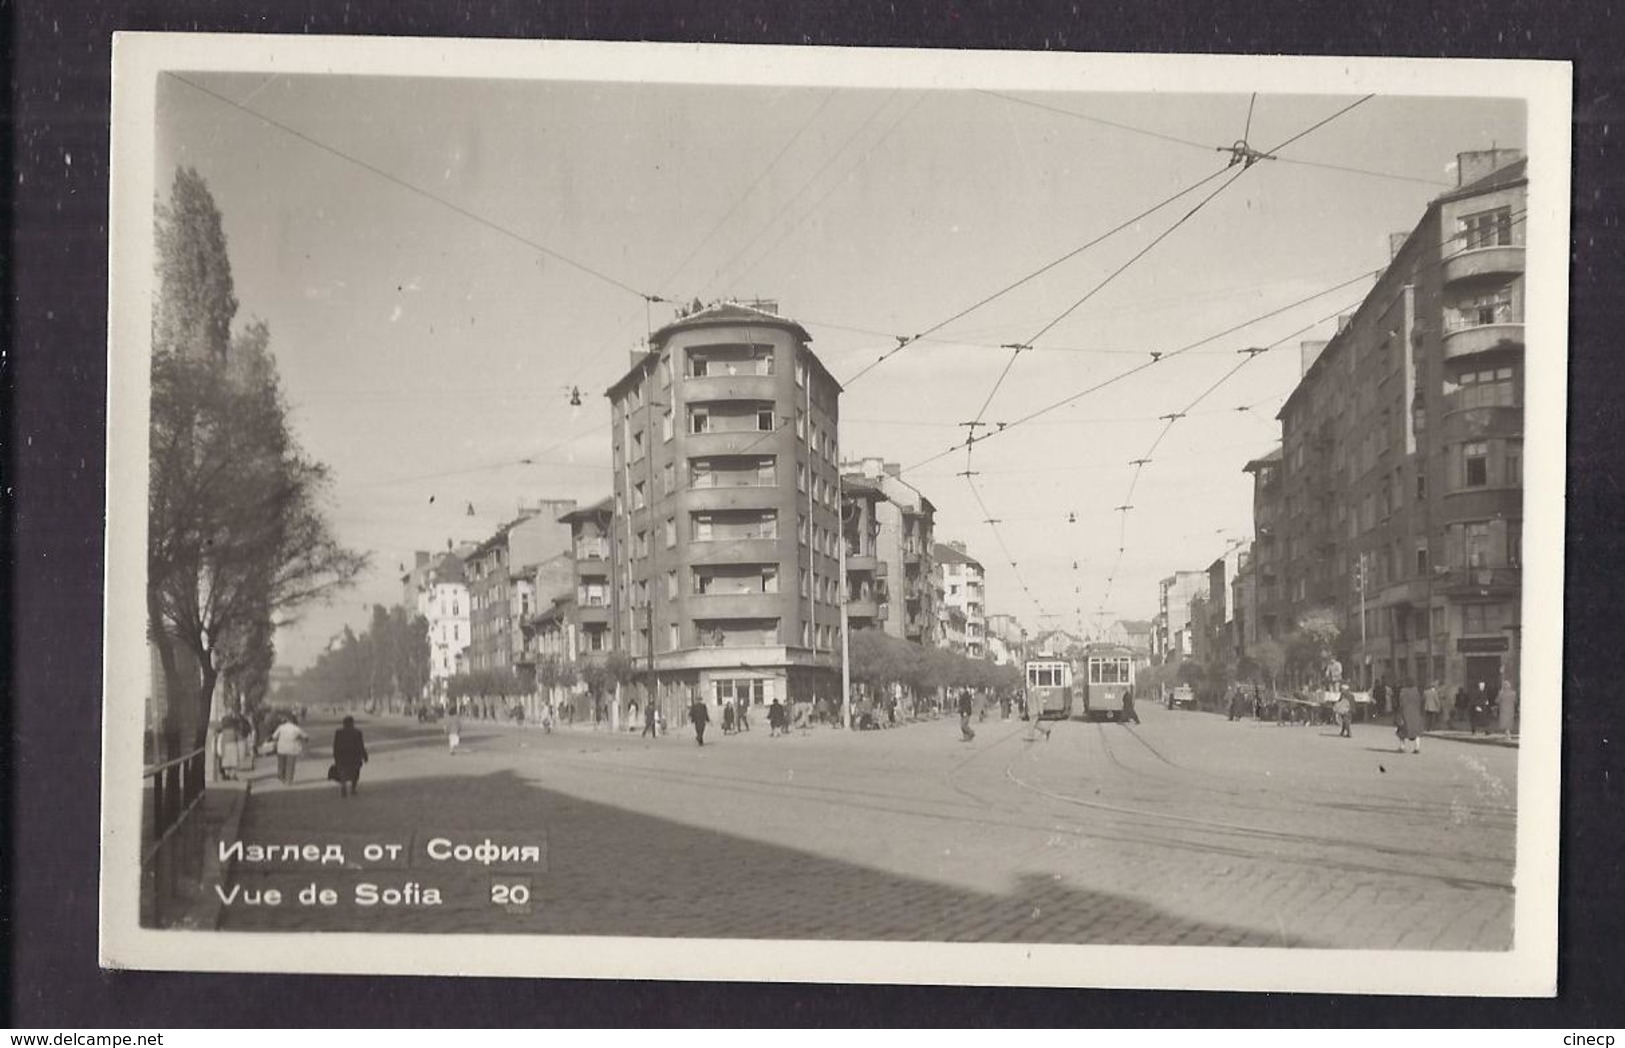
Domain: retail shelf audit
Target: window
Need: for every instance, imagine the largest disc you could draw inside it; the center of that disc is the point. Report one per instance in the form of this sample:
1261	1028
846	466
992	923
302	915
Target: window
801	372
1515	543
666	425
766	473
748	691
1486	307
699	420
595	640
764	421
1486	229
674	637
637	446
1476	544
1421	484
665	374
640	548
671	532
806	586
801	476
668	479
1484	618
1491	388
702	531
1514	463
1475	463
801	424
638	495
1422	558
801	529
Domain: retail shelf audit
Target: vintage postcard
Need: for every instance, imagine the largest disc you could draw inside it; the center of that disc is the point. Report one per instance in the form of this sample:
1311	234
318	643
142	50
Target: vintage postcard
801	514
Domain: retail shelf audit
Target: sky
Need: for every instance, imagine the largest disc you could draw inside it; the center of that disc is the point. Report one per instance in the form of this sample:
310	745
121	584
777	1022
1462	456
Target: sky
440	262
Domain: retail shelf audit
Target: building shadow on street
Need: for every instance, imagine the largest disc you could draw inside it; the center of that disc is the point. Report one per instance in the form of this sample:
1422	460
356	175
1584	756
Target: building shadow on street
610	871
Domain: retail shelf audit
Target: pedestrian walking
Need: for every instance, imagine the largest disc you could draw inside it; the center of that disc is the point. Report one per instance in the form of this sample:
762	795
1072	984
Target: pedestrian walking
1408	720
1129	713
349	754
454	731
1478	707
742	720
701	716
1380	694
1508	719
228	750
966	733
776	720
1430	707
650	722
289	740
1344	708
728	719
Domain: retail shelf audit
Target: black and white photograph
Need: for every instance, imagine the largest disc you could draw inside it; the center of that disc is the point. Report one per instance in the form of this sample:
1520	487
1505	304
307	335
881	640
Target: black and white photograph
820	514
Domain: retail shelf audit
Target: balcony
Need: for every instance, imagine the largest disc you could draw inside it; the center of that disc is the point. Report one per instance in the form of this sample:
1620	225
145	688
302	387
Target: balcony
735	442
711	606
734	497
1465	340
730	550
863	608
1484	265
911	556
598	550
862	562
1501	581
592	614
713	388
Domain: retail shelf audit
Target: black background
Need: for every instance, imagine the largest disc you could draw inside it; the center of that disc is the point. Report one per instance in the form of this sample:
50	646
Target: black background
53	379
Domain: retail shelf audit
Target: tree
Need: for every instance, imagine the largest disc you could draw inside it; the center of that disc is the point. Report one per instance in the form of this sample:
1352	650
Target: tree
237	542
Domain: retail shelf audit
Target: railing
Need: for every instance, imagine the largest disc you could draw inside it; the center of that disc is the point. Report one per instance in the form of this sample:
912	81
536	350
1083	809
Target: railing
170	847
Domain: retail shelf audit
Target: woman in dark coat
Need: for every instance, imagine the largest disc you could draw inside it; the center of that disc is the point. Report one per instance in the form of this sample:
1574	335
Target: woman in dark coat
1409	721
349	754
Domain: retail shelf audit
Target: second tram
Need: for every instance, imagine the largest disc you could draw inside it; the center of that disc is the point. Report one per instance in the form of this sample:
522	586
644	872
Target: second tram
1108	680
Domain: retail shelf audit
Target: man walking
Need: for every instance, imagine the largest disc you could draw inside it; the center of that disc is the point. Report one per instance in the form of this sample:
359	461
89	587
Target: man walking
290	744
649	720
1344	708
966	733
454	731
1409	719
701	716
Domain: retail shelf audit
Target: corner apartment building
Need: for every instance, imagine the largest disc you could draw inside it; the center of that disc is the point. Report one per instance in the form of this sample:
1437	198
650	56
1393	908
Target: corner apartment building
1400	498
726	511
905	539
964	591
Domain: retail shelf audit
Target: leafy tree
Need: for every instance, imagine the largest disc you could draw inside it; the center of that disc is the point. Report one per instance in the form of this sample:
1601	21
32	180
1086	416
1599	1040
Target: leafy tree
237	541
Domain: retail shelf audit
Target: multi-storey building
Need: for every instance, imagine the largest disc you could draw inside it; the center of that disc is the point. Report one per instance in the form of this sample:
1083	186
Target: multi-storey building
1174	593
727	508
1402	450
498	599
964	590
441	598
904	539
1271	611
1006	639
868	595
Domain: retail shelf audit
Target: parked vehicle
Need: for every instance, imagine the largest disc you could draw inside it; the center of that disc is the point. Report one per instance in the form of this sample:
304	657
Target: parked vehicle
1181	698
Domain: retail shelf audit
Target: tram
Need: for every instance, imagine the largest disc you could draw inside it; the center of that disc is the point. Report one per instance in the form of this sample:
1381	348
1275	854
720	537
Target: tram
1049	688
1108	675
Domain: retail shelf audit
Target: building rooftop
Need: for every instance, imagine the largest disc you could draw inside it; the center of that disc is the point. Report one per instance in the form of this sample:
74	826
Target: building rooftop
946	554
604	507
718	314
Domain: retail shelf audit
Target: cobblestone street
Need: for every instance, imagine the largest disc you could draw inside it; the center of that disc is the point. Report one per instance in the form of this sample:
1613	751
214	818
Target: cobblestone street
1185	830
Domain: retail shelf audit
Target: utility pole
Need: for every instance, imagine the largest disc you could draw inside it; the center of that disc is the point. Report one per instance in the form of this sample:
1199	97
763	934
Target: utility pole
1359	580
846	647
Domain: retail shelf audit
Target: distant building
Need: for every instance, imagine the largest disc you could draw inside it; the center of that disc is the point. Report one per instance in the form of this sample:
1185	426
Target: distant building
441	598
1134	634
904	543
868	597
1174	593
965	593
494	571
